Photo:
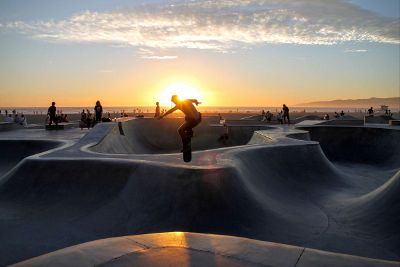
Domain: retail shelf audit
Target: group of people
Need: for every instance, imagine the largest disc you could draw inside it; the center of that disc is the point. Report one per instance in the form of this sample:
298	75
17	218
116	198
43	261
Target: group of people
53	116
387	112
86	120
338	115
282	116
21	120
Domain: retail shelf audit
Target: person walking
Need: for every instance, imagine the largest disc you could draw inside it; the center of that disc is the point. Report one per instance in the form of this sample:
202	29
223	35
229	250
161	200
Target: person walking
285	114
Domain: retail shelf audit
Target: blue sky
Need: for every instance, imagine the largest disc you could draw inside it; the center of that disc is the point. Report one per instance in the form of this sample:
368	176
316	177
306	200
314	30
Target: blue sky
265	52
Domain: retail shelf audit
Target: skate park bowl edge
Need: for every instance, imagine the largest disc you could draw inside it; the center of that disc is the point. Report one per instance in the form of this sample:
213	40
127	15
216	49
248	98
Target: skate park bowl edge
152	136
301	187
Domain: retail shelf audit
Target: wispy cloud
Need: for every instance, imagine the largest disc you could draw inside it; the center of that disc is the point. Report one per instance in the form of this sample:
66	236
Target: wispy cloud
221	25
150	54
355	50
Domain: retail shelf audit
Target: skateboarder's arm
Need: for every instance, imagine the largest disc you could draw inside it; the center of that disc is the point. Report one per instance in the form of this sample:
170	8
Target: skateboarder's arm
169	112
195	101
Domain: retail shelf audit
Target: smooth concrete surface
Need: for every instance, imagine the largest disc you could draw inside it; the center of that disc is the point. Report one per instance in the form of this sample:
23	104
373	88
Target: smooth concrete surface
191	249
394	122
150	136
13	151
278	184
8	126
383	119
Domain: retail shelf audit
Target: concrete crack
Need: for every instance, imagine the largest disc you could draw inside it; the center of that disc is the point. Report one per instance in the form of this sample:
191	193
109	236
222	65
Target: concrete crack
301	254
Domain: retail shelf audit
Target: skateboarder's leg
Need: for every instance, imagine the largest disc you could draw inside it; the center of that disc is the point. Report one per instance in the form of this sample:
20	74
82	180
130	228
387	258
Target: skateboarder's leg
189	132
182	130
186	130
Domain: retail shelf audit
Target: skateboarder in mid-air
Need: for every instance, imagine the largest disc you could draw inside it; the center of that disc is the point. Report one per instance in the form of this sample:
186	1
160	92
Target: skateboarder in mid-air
192	119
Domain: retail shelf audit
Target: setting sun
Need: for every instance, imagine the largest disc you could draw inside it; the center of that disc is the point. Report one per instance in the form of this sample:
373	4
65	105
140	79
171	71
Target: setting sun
183	90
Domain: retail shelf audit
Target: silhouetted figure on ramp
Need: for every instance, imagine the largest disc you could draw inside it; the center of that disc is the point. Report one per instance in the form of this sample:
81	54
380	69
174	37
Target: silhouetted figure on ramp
285	114
51	113
157	113
98	109
192	119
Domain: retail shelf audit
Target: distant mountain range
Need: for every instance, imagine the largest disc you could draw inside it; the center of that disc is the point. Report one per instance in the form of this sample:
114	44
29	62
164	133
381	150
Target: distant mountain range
375	102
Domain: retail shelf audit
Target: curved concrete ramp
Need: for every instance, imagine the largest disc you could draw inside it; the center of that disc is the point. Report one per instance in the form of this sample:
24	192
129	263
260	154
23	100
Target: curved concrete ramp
190	249
88	199
152	136
367	145
276	188
13	151
371	211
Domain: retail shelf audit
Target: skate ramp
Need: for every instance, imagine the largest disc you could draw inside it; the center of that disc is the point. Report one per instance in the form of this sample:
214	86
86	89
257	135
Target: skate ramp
13	151
195	250
381	119
152	136
366	145
285	190
377	212
259	192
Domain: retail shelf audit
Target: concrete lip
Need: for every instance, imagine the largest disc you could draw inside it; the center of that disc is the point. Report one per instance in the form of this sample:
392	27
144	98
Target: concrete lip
192	249
276	183
150	136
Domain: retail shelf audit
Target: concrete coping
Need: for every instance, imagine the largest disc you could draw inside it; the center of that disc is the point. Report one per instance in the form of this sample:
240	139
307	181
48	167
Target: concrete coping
192	249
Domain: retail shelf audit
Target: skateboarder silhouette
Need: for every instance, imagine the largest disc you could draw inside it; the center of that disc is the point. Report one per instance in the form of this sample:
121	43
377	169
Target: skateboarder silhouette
192	119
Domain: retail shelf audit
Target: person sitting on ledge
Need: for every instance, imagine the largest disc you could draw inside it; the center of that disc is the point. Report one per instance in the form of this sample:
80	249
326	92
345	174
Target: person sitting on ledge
23	120
370	111
17	119
9	119
108	119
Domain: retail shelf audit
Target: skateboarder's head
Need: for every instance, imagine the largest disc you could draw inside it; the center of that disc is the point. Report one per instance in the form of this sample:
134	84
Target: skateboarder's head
53	103
175	99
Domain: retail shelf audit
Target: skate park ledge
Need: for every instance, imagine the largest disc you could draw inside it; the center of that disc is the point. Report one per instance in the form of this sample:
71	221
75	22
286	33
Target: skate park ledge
193	249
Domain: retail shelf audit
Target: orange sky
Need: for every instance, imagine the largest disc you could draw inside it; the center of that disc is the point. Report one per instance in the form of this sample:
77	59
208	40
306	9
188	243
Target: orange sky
70	56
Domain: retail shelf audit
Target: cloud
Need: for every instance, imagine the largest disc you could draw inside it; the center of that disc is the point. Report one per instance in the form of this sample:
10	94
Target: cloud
222	26
160	57
151	54
355	50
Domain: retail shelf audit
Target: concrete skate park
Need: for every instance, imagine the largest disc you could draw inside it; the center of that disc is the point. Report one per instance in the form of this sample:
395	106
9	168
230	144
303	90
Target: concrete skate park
310	194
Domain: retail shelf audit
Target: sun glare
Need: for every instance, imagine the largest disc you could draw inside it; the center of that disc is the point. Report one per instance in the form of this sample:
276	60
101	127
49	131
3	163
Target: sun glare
182	90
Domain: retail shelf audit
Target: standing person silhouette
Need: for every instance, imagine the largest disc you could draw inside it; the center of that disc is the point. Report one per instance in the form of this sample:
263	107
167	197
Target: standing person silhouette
98	109
285	114
51	112
192	117
157	114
